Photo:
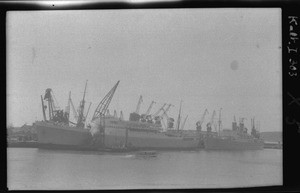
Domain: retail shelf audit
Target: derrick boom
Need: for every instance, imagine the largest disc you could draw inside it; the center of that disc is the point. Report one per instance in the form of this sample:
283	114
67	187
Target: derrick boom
139	104
150	107
103	105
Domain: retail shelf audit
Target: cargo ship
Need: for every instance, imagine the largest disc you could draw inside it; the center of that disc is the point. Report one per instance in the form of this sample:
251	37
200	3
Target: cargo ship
235	139
138	135
56	130
141	132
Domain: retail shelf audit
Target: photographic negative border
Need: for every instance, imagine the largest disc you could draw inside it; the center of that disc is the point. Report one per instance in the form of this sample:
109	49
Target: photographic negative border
290	69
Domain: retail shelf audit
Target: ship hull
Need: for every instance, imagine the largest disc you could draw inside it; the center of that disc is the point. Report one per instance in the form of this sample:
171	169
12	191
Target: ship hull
211	143
116	138
57	136
65	137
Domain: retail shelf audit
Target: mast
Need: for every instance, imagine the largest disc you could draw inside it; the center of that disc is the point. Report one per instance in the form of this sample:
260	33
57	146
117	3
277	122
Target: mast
179	116
50	107
182	126
121	116
88	110
48	97
73	108
220	120
81	109
68	106
115	114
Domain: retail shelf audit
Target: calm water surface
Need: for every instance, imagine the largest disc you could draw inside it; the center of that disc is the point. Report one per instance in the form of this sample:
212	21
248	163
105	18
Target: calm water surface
31	168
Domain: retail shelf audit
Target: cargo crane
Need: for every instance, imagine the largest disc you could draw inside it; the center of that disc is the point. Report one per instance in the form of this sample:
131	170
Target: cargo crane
146	117
161	109
209	124
242	125
242	119
51	106
234	124
135	116
100	114
55	114
139	104
150	107
170	121
215	124
43	109
167	109
199	123
156	117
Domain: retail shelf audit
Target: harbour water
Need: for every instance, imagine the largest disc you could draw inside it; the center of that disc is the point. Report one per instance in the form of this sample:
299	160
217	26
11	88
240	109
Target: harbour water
39	169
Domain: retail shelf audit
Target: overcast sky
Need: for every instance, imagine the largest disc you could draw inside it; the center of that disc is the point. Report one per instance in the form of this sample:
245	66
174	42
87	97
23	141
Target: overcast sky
209	58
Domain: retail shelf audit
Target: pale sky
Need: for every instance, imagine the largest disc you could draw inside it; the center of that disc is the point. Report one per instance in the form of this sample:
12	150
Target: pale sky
209	58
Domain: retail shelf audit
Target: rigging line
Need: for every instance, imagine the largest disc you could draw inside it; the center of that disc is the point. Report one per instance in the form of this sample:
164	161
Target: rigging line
55	107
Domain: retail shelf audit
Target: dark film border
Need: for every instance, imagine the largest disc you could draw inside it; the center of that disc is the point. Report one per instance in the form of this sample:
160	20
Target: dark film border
291	97
290	72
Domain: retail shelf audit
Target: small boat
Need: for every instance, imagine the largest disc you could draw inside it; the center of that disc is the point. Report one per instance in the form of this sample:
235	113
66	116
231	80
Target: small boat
146	154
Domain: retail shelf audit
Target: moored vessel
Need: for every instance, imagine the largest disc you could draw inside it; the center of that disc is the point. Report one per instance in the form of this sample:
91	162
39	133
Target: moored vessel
58	131
137	134
235	139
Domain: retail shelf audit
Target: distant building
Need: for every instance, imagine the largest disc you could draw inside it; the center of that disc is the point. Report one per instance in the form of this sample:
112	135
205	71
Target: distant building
23	133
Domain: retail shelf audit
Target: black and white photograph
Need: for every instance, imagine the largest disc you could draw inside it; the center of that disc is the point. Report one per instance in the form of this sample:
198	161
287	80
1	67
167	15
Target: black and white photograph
144	98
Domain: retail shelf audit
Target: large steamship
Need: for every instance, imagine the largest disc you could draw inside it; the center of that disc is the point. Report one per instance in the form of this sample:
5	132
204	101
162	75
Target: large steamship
135	134
236	138
141	131
57	131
